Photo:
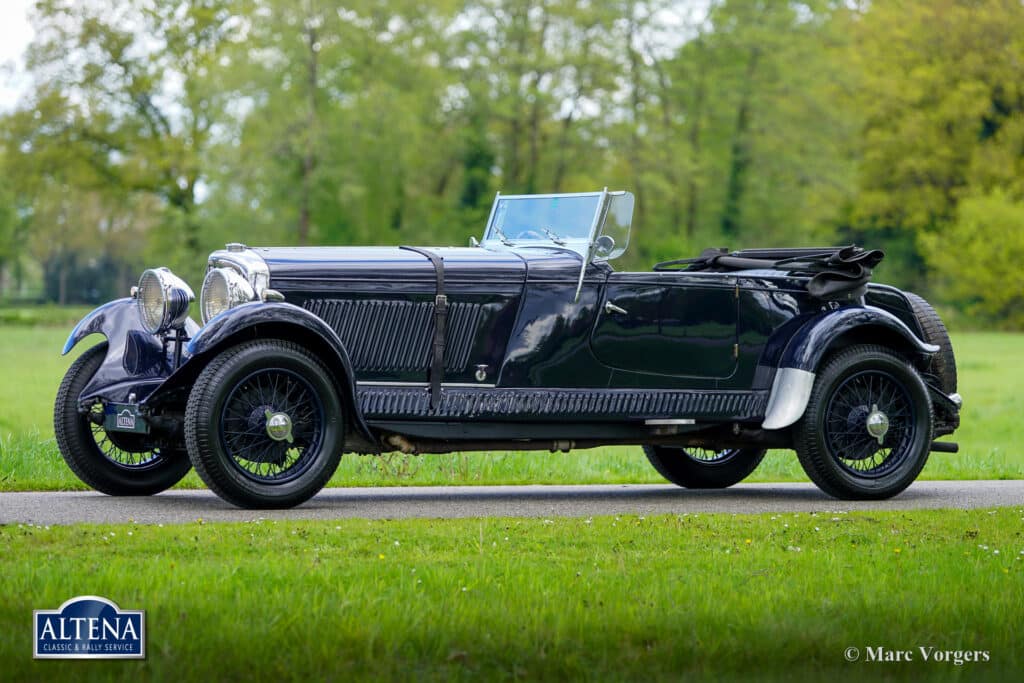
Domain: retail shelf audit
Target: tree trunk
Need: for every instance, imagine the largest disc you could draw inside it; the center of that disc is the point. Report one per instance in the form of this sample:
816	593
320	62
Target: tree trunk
692	186
740	155
62	282
634	135
308	158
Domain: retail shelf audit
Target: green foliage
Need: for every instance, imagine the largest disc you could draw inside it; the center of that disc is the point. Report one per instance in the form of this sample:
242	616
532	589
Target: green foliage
155	132
979	259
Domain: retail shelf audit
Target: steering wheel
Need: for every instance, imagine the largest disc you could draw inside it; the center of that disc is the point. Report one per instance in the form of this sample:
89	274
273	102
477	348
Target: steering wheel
529	234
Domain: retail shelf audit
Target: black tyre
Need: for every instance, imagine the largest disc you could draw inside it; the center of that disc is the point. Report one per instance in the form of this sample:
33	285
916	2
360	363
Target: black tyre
116	464
699	468
943	363
867	430
264	425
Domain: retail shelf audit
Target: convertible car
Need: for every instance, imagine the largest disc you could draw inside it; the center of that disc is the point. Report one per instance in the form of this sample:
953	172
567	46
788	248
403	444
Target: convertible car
528	340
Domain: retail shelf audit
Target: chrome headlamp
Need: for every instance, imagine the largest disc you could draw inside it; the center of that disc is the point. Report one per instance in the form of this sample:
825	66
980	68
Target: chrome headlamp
223	288
163	299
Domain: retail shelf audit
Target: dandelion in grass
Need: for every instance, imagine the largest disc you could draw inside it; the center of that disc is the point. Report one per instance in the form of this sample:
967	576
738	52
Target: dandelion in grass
897	550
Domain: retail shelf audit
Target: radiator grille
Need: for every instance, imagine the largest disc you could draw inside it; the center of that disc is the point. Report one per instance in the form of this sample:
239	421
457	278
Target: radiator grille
395	336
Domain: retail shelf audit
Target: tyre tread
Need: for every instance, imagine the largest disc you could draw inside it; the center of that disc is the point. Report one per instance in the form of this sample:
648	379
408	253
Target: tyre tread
198	438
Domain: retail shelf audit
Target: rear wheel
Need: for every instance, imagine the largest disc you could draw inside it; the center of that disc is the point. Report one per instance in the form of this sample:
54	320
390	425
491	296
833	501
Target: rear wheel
701	468
867	430
943	363
115	463
264	425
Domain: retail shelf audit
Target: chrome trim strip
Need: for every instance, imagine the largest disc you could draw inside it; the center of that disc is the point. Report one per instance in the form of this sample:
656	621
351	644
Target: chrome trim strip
788	399
672	421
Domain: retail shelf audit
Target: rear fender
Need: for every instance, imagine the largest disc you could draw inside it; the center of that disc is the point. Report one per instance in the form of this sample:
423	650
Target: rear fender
791	388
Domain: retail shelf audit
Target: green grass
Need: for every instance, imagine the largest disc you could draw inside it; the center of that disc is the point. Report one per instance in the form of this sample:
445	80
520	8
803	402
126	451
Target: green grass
610	598
992	443
48	314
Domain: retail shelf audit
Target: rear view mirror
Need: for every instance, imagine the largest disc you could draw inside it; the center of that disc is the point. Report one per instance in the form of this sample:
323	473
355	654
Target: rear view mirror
604	246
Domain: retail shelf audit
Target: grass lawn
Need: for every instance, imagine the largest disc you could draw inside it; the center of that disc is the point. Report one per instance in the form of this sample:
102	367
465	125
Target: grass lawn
611	598
991	372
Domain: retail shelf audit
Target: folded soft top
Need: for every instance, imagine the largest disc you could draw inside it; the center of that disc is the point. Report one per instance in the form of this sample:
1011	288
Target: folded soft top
836	272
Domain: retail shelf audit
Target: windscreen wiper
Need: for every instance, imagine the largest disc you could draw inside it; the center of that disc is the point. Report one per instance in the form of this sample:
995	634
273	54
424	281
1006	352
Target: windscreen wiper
503	237
554	238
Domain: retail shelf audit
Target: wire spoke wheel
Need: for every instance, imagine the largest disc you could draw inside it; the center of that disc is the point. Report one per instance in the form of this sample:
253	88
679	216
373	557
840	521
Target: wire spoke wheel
868	425
115	463
264	424
867	430
709	456
703	468
123	450
251	411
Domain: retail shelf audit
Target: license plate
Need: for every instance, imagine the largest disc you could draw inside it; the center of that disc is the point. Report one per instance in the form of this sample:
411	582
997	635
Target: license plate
122	417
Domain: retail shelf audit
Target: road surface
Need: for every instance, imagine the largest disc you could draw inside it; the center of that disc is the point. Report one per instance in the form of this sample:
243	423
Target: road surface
178	506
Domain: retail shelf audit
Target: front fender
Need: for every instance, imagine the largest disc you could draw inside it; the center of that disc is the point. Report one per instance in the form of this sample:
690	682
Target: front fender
795	377
288	321
106	320
137	362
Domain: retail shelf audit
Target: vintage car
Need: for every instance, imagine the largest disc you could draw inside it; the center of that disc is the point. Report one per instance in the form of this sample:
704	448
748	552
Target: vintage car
526	340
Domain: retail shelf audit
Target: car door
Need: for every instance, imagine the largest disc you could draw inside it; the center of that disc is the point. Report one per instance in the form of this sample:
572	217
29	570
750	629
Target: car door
670	324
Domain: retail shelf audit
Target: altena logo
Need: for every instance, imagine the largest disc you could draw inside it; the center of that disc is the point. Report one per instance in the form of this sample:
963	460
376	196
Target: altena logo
89	627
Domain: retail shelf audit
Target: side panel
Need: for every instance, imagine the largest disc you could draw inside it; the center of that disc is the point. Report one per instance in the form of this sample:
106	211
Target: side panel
380	304
389	335
549	343
669	325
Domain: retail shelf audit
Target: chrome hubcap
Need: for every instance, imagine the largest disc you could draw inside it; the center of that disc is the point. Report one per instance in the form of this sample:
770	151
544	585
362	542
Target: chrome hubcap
279	426
877	424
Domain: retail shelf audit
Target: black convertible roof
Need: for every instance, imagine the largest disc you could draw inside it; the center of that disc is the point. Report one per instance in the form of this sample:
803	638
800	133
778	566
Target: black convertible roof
835	272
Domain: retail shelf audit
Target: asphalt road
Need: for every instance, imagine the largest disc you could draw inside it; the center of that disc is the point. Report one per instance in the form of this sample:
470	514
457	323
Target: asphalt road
503	501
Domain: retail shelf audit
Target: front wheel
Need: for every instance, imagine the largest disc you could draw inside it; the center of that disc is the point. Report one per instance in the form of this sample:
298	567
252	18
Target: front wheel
867	430
114	463
699	468
264	425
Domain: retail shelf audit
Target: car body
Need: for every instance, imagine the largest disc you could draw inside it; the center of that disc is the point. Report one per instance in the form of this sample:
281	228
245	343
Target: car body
529	339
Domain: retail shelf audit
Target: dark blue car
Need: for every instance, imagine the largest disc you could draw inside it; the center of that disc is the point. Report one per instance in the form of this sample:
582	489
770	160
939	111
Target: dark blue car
528	339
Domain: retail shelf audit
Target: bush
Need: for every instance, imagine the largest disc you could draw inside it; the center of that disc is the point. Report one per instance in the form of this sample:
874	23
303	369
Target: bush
979	260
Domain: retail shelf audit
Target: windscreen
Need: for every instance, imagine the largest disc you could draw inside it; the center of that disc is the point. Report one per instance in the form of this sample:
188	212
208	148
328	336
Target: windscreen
540	218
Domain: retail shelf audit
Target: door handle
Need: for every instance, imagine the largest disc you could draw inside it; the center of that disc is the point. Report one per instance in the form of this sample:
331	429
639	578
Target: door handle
610	308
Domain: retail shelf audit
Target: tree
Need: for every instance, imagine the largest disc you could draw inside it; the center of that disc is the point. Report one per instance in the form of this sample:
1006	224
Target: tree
130	96
944	115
